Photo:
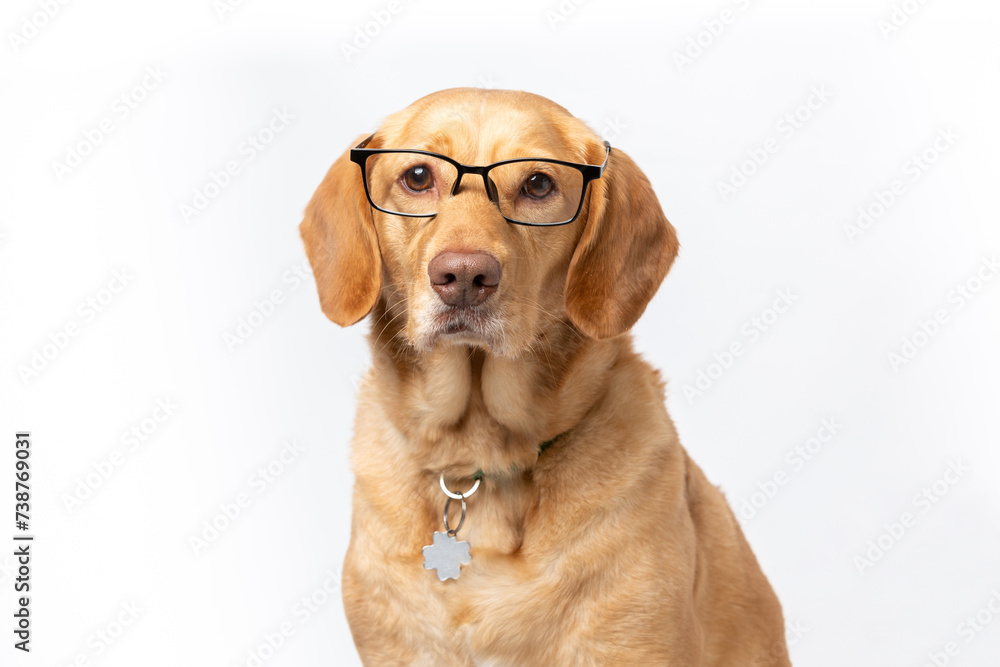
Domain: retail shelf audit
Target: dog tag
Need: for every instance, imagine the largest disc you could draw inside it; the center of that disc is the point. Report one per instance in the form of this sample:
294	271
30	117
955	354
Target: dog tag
446	555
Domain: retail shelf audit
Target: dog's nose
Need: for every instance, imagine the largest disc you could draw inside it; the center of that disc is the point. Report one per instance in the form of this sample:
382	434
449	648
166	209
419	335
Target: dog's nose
464	278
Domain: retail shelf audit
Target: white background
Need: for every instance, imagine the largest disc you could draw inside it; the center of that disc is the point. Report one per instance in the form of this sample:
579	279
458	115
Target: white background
191	281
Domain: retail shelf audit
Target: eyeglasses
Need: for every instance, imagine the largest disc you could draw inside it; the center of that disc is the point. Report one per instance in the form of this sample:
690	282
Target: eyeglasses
528	191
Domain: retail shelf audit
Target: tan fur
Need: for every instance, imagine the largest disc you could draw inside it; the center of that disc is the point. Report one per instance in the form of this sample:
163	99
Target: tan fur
611	547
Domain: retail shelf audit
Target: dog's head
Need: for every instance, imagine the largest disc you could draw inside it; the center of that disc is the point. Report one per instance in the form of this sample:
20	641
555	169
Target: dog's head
458	267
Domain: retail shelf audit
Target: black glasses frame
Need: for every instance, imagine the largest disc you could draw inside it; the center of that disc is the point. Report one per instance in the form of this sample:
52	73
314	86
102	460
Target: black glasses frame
590	172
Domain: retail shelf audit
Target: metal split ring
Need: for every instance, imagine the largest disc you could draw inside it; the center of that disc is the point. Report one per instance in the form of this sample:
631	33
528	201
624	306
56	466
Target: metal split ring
452	532
460	496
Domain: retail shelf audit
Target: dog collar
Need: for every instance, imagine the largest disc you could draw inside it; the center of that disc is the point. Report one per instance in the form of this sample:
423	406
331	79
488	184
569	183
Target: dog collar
541	450
446	554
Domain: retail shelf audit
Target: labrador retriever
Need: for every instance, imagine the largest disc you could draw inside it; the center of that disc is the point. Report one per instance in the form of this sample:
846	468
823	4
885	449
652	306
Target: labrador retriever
521	497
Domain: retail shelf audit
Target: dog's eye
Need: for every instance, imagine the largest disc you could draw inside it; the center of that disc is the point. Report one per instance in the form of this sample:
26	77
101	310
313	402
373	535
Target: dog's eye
418	178
537	186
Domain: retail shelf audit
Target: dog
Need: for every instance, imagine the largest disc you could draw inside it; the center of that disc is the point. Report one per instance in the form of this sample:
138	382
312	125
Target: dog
521	496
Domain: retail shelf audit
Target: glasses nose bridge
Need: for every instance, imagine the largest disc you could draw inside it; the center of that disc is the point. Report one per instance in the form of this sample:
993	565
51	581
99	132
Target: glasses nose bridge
491	192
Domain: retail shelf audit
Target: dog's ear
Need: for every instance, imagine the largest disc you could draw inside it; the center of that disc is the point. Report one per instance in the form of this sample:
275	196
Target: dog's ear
341	244
625	251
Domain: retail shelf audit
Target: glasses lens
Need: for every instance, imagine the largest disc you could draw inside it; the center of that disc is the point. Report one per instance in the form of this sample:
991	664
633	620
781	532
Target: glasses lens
537	192
409	182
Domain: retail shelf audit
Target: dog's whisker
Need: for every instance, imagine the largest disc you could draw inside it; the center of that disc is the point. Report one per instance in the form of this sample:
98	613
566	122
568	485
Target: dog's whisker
393	337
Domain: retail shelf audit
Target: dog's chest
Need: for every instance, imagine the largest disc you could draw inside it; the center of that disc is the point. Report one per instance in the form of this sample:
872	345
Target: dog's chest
500	609
488	662
500	627
505	608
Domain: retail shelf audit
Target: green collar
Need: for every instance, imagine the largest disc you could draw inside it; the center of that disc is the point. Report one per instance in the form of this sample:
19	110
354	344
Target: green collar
541	450
548	443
